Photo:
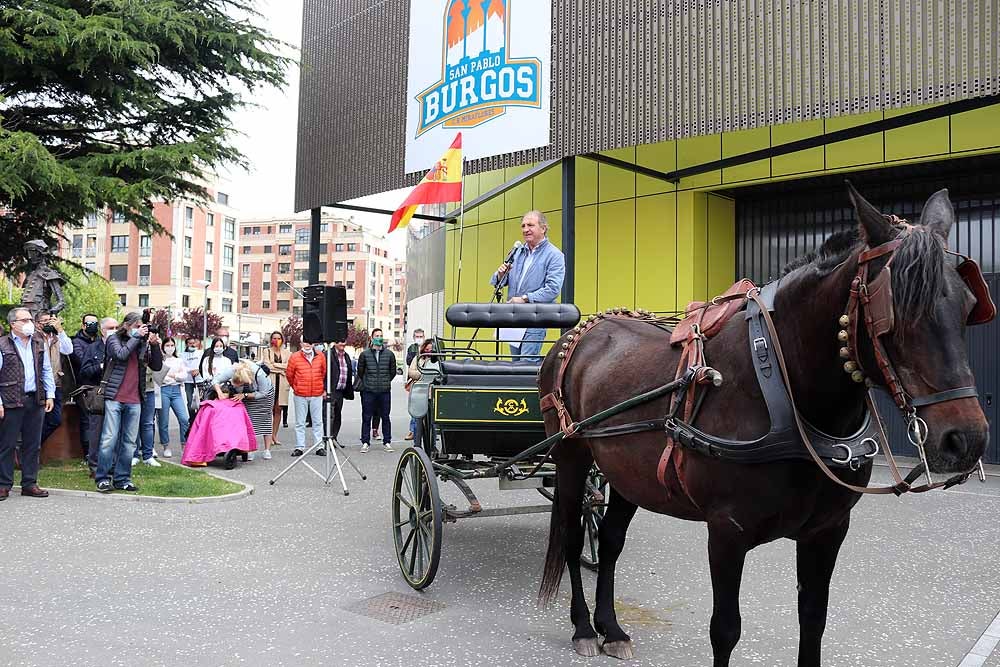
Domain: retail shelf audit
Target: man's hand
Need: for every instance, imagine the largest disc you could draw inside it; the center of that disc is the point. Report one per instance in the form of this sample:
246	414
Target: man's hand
49	404
502	271
518	299
143	330
1	412
153	339
57	323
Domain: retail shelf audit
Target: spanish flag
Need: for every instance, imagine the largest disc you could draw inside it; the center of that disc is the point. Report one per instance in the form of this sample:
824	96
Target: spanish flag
443	183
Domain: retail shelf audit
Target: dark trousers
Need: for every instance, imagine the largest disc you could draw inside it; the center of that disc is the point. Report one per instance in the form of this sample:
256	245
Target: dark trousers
84	429
53	419
27	423
336	406
375	403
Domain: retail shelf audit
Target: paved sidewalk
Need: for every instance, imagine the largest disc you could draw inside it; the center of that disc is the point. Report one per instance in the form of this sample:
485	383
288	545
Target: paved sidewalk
267	580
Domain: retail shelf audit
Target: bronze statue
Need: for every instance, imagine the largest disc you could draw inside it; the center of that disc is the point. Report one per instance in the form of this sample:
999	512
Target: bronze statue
42	282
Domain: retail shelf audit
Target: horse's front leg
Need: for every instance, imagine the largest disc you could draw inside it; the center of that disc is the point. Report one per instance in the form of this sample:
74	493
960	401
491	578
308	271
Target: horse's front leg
816	557
612	532
726	554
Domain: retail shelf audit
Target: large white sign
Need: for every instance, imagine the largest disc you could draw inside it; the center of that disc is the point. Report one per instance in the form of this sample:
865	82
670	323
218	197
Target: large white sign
479	67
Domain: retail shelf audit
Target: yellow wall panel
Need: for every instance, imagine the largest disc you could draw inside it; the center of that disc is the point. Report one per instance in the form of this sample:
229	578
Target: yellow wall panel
517	201
586	182
469	275
586	259
555	228
866	149
976	129
493	209
450	262
802	161
661	157
720	259
746	141
511	232
490	253
616	254
914	141
695	151
655	252
547	189
615	183
470	186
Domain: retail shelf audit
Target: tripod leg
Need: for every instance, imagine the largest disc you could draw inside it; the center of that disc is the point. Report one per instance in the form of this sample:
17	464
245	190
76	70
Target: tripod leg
332	453
347	457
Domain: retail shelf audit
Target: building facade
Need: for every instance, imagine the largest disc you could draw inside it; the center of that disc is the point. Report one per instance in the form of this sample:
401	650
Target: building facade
274	268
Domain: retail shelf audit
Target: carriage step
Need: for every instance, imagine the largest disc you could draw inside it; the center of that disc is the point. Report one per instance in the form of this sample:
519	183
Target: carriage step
525	483
453	515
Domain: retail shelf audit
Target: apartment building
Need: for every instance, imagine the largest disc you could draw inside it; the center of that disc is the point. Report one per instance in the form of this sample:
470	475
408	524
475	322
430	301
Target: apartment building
274	267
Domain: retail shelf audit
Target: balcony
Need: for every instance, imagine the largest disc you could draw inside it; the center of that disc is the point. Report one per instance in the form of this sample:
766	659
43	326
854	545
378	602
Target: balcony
145	252
187	282
77	252
143	281
91	252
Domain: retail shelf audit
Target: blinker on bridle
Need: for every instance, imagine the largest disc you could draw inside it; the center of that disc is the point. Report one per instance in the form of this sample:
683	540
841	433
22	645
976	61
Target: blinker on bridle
873	300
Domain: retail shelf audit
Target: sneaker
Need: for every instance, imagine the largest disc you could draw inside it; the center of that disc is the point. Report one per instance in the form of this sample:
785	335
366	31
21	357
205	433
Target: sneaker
135	461
296	452
409	436
167	454
364	448
104	486
153	463
388	447
130	487
321	451
266	455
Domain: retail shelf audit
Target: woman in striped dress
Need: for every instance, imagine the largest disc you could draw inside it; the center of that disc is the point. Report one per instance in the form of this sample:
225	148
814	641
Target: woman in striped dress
247	382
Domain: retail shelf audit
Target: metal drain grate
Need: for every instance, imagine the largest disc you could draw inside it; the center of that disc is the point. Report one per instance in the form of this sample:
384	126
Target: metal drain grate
395	608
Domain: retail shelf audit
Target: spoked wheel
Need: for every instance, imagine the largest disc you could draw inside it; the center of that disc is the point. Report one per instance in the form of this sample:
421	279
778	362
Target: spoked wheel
416	518
595	503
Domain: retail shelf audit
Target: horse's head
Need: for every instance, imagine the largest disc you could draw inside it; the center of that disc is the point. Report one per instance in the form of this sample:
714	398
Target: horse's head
908	330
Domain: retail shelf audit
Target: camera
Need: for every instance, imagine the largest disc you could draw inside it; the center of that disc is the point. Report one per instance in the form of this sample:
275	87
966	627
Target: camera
147	316
49	329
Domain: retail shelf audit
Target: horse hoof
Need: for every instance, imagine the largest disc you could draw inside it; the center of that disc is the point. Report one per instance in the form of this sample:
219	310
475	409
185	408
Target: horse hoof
621	650
588	647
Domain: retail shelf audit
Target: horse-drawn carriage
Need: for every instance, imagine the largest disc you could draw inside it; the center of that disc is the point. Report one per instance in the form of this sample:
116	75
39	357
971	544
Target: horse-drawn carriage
477	416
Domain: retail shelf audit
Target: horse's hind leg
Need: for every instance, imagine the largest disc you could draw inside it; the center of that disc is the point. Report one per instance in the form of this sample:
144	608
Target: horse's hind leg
816	558
570	487
726	555
612	532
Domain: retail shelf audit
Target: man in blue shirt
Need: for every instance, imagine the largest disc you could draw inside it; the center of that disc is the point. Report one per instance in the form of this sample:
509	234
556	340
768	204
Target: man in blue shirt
27	387
535	275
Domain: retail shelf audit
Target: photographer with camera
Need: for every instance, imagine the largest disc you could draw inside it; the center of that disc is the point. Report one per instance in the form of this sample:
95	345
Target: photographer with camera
90	331
130	350
147	412
57	343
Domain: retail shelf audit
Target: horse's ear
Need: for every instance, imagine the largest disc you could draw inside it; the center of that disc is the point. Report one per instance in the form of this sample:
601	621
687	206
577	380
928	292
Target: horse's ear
938	213
875	228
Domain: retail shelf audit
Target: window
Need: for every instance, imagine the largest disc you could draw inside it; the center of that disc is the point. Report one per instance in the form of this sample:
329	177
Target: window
91	265
187	246
246	289
284	229
247	250
350	303
119	273
144	301
284	268
352	247
144	274
228	255
350	266
119	244
338	283
302	235
324	227
268	249
267	287
229	229
185	301
227	281
208	304
227	305
78	245
209	248
302	274
121	299
187	272
91	246
350	284
208	275
338	266
188	217
210	220
246	270
222	198
266	305
339	247
255	231
285	249
322	267
245	305
119	218
297	311
283	304
284	286
301	255
92	220
368	248
145	246
267	268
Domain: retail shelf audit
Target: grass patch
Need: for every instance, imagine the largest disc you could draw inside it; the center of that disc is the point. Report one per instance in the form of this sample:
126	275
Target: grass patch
172	481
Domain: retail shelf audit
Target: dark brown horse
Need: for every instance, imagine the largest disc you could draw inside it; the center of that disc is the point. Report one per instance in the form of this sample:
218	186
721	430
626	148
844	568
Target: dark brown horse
748	505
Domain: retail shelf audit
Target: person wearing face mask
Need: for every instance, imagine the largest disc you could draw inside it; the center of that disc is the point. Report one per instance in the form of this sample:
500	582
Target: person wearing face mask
27	392
58	344
229	350
191	355
89	332
128	354
276	358
411	353
376	369
169	381
306	374
214	360
91	369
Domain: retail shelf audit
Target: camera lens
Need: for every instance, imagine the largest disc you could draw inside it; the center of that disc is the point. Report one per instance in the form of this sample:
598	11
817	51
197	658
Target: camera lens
49	329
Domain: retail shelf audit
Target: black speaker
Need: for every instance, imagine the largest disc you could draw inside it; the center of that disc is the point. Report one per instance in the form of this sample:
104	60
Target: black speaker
324	314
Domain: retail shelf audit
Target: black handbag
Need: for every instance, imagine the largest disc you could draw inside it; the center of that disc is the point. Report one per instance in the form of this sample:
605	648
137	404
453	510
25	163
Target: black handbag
91	397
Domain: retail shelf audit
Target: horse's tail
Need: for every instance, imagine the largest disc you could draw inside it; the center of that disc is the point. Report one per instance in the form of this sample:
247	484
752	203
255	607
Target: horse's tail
555	557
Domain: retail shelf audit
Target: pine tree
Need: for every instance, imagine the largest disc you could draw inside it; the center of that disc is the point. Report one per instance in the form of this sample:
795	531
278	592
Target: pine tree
115	104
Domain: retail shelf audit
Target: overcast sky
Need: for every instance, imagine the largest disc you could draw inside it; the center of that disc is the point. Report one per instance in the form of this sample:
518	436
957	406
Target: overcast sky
268	141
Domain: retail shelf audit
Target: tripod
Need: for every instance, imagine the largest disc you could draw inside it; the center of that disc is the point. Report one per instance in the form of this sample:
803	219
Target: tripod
329	443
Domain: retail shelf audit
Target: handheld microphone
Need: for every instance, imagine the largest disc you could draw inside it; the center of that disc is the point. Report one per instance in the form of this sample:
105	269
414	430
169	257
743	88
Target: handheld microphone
513	251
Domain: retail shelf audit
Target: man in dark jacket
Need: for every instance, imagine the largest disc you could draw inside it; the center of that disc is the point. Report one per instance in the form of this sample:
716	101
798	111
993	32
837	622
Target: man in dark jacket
341	376
376	369
89	332
129	351
91	370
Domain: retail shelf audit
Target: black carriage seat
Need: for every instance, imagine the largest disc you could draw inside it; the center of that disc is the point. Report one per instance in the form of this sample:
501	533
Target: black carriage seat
515	315
474	372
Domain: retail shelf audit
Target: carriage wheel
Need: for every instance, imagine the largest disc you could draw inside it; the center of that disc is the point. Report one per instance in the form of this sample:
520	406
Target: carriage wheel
416	518
595	503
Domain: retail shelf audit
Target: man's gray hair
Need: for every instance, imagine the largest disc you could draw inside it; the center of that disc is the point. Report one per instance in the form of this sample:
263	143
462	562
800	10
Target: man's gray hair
129	319
108	320
12	314
540	217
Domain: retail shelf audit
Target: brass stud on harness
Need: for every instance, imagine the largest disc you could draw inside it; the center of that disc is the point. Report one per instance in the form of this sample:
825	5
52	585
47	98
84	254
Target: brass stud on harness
850	367
562	355
844	321
570	337
858	376
565	346
842	336
845	353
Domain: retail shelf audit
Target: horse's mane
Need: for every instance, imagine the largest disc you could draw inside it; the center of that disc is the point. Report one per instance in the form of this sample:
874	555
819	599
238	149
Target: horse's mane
918	278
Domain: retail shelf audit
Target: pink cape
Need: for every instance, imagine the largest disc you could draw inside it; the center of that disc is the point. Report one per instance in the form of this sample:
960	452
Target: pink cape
220	426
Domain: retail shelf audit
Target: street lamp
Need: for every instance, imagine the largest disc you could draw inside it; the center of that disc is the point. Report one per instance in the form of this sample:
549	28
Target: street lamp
204	311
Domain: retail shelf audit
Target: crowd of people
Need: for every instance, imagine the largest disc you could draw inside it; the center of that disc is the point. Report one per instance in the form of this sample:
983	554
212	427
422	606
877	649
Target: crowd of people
144	379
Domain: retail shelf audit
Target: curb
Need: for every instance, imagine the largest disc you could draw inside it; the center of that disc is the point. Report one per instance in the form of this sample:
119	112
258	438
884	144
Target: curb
246	491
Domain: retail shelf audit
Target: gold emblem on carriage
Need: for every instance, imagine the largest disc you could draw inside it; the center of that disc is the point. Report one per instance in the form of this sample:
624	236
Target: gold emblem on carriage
510	407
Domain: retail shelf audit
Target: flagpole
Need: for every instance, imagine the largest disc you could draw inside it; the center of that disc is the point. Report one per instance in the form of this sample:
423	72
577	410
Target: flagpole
461	234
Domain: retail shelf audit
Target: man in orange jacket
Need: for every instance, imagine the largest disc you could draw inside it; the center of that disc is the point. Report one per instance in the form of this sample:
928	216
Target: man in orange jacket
306	375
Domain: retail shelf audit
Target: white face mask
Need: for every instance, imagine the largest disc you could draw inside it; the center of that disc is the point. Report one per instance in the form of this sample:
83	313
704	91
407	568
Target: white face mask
28	329
308	351
217	349
419	340
169	349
